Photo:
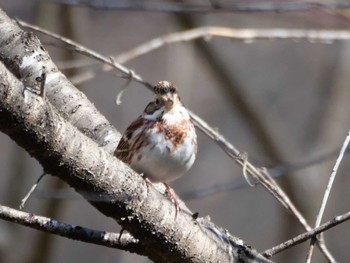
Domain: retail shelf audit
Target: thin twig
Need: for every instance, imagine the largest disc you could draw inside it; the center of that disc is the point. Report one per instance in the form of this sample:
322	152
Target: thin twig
245	35
275	172
307	235
88	52
261	175
224	7
327	192
24	200
107	239
118	99
74	63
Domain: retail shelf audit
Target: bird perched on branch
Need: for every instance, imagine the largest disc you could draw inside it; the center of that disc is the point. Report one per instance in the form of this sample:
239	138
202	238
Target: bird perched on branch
161	144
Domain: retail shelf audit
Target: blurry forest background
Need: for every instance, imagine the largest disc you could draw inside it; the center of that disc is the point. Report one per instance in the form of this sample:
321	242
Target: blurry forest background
283	102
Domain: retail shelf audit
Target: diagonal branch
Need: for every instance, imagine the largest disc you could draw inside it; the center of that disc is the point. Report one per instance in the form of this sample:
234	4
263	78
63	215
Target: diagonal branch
307	235
119	192
27	59
262	176
328	191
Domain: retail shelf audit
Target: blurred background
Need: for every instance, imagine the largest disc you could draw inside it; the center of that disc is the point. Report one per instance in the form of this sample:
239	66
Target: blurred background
284	103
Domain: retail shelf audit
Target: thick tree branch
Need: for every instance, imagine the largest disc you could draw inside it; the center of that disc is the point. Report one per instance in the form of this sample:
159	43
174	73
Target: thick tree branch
27	59
260	175
119	193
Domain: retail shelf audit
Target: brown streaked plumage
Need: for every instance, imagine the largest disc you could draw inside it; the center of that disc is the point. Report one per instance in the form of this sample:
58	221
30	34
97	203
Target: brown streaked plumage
162	142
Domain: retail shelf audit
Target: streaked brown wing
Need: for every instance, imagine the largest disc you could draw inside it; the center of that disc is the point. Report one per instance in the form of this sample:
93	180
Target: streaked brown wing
124	147
122	150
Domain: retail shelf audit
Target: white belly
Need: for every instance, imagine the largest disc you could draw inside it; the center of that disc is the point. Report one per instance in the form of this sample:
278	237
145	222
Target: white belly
160	161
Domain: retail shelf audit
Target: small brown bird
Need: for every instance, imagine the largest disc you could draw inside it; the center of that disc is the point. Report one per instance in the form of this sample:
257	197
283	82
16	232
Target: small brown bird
161	144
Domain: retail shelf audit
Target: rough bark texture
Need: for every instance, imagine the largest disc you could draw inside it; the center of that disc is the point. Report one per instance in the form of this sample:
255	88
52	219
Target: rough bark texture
64	132
23	54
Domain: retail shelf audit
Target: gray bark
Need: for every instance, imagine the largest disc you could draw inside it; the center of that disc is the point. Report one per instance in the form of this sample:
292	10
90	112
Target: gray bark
74	142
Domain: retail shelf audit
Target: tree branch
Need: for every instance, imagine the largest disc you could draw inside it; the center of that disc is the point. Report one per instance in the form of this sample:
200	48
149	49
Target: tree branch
118	192
307	235
238	34
224	6
327	193
261	176
114	240
27	59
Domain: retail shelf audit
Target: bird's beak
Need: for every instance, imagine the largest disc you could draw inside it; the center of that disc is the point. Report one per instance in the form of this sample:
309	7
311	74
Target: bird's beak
169	104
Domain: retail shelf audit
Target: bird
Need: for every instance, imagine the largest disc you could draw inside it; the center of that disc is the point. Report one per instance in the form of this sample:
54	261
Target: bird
161	144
